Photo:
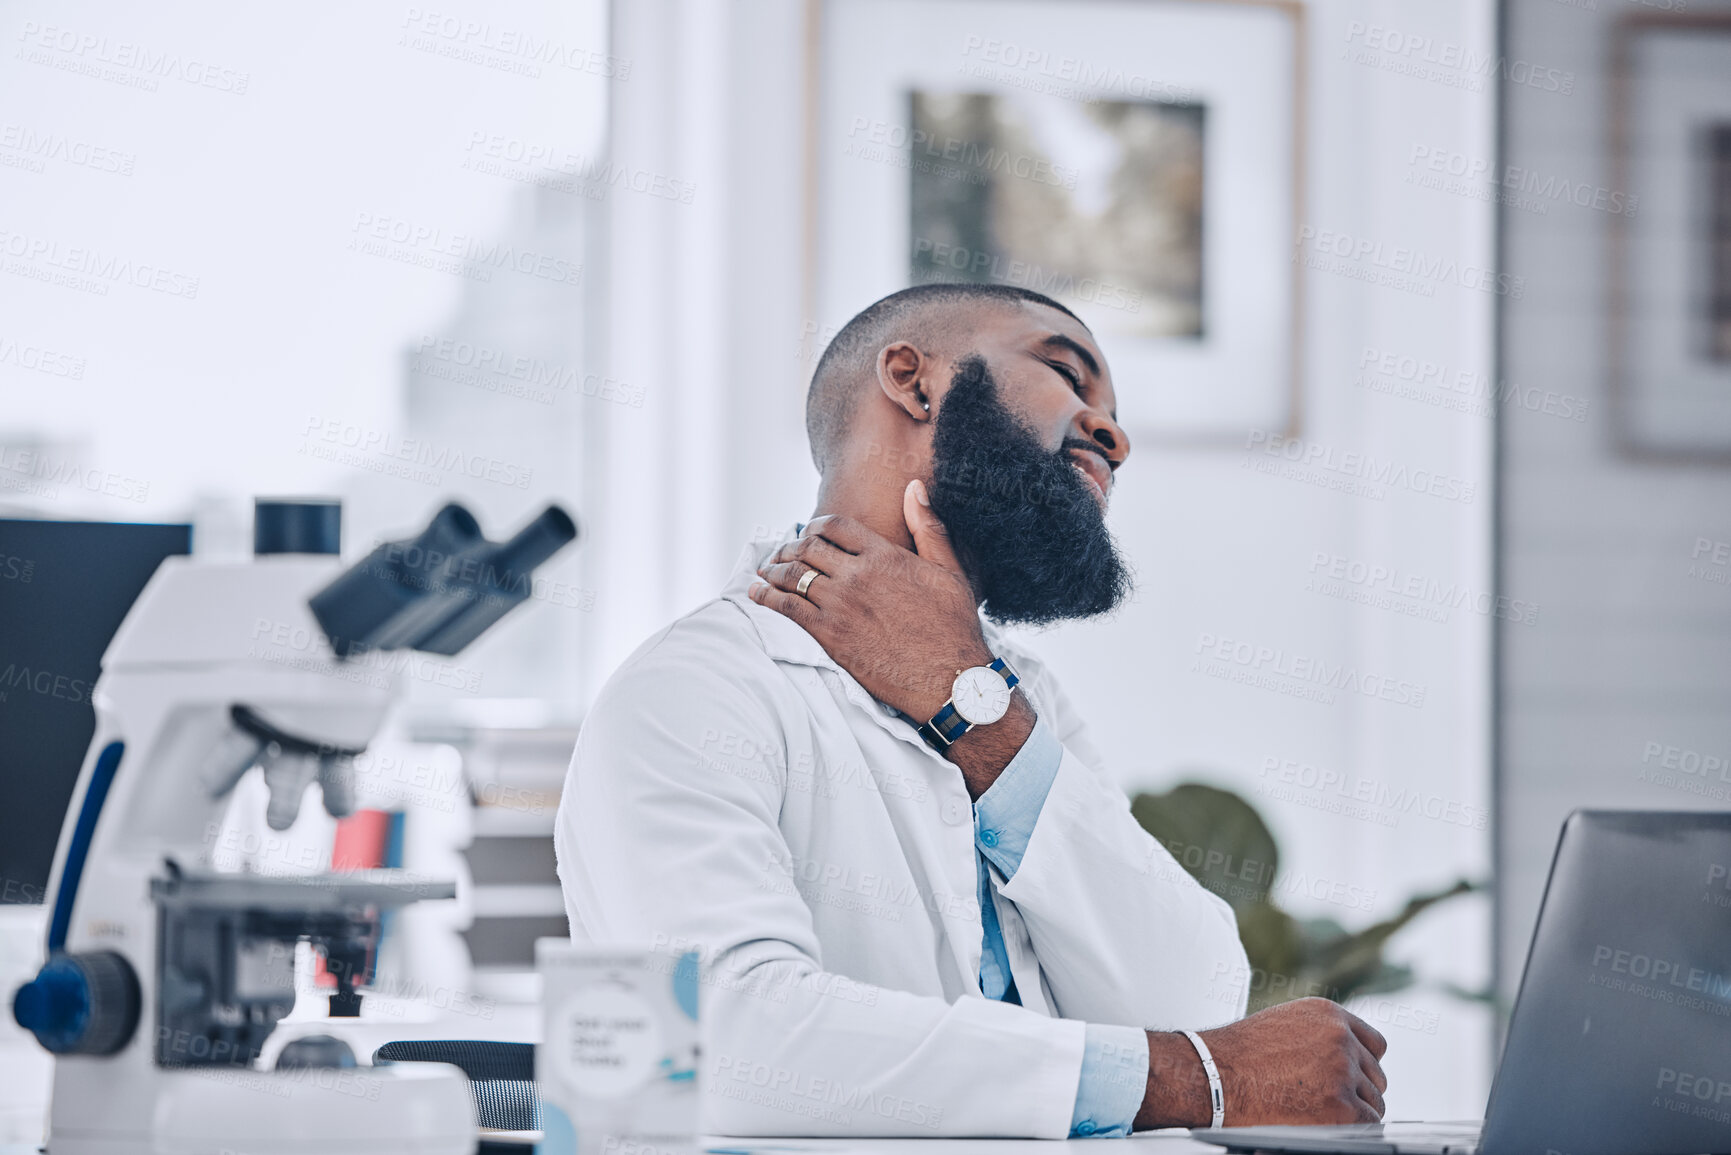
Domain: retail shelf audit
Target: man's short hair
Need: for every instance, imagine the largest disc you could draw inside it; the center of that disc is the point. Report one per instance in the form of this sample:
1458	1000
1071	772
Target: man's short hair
912	313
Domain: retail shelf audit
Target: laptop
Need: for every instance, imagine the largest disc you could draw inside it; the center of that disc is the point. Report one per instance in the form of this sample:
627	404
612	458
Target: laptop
1620	1041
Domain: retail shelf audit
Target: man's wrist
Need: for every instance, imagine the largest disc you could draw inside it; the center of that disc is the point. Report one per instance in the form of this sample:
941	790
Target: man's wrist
942	686
1177	1094
983	751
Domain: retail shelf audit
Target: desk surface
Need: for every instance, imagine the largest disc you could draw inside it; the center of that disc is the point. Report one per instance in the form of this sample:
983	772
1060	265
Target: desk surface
1148	1143
1151	1143
1174	1142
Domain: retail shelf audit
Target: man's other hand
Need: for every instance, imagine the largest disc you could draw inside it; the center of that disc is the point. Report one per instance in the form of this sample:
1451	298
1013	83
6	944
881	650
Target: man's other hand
1308	1061
902	622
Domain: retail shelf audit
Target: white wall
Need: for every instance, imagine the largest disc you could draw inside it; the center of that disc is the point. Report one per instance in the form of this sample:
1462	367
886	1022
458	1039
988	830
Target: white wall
1627	671
706	310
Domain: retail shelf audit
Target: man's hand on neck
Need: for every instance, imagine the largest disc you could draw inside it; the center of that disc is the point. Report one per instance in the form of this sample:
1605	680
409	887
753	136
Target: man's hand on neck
870	493
903	622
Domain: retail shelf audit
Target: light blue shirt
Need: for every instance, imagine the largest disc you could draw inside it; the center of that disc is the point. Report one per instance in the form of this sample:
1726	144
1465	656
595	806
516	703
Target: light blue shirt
1114	1059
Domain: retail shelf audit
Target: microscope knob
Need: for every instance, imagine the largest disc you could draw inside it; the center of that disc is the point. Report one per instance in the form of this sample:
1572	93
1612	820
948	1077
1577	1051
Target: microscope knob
83	1004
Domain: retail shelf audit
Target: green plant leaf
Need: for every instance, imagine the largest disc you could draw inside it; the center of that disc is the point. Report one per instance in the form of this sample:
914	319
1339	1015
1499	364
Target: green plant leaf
1352	958
1217	837
1224	844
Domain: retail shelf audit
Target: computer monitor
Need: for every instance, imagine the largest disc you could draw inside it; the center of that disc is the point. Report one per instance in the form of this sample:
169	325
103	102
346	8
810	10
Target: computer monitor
64	588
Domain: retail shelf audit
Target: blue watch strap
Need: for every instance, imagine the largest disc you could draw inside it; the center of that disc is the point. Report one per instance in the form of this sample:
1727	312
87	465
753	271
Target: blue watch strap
945	727
950	723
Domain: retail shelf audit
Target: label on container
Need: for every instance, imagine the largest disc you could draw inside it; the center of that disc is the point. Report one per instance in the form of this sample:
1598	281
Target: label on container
607	1041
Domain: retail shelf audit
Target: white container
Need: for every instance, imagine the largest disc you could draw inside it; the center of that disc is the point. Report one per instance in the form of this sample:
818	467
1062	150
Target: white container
617	1065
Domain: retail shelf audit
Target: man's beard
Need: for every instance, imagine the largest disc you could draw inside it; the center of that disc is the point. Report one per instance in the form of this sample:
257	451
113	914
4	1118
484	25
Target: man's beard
1024	523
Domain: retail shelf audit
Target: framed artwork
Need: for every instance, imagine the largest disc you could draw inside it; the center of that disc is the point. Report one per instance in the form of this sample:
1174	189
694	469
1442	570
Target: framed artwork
1669	287
1139	162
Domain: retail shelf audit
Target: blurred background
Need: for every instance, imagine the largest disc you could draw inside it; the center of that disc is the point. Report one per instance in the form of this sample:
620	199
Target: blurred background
1419	315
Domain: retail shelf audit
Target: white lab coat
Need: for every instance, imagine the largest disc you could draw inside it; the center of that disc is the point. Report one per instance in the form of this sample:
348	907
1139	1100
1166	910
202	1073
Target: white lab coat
736	790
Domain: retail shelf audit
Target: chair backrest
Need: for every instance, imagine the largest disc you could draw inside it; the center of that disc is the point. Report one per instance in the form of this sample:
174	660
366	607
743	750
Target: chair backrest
501	1076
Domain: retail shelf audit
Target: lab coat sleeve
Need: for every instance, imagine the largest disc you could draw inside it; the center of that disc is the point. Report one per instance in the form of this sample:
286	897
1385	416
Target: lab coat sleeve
665	833
1123	933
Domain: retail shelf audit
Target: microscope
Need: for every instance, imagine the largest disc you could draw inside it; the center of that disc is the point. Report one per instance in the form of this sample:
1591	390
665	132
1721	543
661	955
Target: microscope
165	977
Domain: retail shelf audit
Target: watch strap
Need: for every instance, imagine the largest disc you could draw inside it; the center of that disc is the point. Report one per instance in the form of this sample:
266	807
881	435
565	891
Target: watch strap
944	728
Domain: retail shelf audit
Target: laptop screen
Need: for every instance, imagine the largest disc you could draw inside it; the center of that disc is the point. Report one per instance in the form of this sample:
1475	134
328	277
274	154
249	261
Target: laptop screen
1621	1038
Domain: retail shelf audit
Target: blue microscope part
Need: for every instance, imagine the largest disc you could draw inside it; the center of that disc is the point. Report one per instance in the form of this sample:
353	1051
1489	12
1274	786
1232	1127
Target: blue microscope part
55	1006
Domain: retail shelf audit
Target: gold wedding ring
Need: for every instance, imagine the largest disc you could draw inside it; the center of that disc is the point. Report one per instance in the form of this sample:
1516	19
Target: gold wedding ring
805	582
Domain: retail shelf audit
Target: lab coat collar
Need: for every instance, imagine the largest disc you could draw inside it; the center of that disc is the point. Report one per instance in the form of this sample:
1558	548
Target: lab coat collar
784	640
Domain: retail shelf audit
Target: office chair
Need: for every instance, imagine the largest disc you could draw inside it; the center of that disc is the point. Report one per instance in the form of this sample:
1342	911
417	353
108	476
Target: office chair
501	1076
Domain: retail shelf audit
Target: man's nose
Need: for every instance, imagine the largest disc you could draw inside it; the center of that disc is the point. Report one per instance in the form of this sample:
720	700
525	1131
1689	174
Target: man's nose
1107	434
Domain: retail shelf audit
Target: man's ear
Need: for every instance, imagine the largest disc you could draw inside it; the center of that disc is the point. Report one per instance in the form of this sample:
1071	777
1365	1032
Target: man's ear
904	374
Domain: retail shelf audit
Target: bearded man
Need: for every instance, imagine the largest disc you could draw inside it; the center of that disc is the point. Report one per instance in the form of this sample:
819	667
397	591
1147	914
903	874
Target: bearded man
923	906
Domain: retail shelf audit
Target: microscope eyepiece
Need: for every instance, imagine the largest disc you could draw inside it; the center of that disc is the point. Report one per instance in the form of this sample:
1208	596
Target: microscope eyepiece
536	542
441	589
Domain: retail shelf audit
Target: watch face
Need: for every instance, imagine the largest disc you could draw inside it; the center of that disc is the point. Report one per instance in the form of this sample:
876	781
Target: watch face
981	695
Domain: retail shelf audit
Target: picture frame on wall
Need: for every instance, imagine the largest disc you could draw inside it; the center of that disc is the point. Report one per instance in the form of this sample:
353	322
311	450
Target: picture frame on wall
1668	289
1142	163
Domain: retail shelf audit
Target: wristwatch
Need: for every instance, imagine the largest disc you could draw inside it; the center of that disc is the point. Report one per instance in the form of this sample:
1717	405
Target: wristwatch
979	696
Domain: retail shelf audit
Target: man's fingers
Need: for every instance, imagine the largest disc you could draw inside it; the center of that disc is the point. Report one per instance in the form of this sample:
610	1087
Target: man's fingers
822	555
846	533
786	576
1373	1071
782	602
1367	1034
931	539
1372	1098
